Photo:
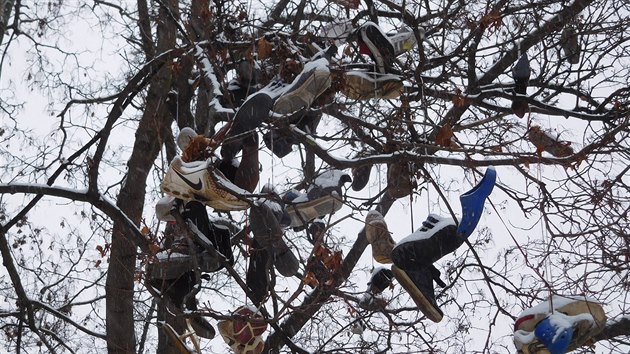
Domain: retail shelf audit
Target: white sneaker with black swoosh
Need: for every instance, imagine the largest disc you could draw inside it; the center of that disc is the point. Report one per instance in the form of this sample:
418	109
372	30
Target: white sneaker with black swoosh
197	180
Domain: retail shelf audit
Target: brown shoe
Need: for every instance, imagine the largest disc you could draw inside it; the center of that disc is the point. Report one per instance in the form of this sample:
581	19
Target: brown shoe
400	180
379	237
361	85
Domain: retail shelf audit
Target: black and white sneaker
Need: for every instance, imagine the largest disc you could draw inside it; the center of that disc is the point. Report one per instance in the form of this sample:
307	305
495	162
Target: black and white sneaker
378	46
436	238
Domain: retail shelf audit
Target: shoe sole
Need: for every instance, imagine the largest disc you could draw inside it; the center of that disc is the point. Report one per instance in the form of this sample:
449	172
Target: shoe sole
424	304
249	116
176	339
361	86
302	213
202	327
306	93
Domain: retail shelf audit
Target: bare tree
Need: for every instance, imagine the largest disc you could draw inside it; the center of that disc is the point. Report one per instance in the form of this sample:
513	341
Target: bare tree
77	223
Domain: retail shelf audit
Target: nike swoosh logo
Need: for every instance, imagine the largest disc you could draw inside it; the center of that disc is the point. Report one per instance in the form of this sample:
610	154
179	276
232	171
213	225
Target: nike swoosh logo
196	186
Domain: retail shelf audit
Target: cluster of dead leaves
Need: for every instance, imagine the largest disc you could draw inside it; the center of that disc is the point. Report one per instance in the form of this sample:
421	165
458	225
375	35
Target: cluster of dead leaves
400	179
459	100
446	137
264	48
323	268
493	20
199	149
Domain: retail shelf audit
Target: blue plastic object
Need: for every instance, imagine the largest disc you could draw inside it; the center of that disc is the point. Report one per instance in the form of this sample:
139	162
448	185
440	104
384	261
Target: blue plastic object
554	337
473	201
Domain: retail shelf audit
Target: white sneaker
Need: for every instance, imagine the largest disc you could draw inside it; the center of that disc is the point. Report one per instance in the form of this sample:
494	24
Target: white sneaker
196	181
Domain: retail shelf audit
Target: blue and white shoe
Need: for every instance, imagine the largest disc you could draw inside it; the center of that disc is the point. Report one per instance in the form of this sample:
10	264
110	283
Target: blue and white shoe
555	333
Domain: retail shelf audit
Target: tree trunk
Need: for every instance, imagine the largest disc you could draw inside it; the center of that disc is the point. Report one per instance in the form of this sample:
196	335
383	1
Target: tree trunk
149	139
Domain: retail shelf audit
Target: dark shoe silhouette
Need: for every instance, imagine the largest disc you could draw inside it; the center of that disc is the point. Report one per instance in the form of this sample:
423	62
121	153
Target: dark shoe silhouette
269	235
418	283
361	177
257	276
249	116
570	44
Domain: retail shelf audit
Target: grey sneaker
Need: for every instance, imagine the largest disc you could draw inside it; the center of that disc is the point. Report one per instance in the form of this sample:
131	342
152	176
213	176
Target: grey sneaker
305	88
185	136
322	198
163	209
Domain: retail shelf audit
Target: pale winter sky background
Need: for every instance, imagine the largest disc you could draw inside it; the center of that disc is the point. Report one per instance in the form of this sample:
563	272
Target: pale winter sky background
503	223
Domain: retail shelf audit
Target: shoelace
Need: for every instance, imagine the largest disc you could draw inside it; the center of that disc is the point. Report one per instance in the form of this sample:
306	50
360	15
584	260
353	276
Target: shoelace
429	224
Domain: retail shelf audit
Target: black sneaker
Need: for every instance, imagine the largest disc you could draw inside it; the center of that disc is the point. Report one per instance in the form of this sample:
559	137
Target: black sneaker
520	107
281	145
176	298
380	280
219	235
360	177
247	171
275	203
436	238
257	277
419	284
